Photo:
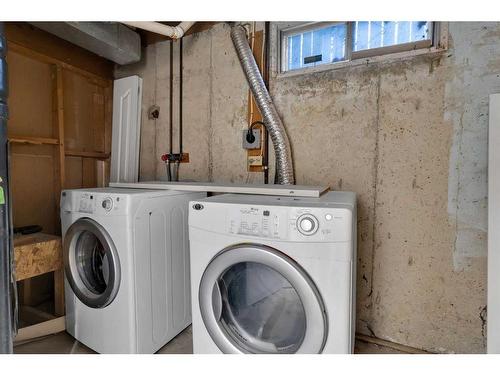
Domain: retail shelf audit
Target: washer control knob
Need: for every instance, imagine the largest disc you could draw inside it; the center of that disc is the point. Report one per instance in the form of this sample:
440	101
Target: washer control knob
307	224
107	204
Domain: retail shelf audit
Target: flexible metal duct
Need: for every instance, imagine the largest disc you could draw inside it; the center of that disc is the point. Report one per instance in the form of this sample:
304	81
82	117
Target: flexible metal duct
284	163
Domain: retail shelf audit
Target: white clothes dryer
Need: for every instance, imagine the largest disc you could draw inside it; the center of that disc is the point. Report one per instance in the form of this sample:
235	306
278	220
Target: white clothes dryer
273	274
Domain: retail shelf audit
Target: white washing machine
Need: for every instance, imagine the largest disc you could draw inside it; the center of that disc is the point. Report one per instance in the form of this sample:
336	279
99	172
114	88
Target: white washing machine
126	261
273	274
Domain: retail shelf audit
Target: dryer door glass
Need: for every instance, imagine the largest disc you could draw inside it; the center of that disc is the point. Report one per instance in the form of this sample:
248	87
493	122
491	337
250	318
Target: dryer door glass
261	309
91	263
255	299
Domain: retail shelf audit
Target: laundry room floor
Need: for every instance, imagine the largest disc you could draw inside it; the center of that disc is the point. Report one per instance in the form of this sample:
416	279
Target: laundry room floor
63	343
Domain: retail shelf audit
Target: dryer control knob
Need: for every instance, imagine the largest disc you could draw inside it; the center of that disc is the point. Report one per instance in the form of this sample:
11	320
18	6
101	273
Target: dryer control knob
107	204
307	224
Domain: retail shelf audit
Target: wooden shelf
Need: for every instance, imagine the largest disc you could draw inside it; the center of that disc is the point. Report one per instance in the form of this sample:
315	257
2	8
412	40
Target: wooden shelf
36	254
33	140
87	154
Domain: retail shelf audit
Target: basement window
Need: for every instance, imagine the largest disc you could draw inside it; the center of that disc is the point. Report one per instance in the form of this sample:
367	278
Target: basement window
321	43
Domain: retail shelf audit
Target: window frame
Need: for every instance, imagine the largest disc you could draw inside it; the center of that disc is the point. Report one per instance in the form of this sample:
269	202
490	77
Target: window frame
280	31
294	30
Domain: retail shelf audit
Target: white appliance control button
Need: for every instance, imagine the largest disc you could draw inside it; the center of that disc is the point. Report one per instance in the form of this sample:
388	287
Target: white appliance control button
107	204
328	217
307	224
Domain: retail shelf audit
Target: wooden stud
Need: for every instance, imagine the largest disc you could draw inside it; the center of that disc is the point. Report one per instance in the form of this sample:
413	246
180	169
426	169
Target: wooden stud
87	154
33	140
102	171
108	118
49	327
26	288
59	292
253	111
60	124
59	156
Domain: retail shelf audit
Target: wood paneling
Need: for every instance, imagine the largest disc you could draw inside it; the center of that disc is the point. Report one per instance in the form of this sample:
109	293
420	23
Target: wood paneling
60	105
84	114
33	190
61	98
57	49
74	172
30	96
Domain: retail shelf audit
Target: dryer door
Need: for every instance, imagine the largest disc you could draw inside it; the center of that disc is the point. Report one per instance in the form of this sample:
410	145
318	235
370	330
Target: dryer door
255	299
91	263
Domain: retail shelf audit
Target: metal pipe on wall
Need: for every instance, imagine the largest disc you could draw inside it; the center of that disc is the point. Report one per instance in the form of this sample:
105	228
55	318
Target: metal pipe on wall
266	81
178	161
6	317
277	132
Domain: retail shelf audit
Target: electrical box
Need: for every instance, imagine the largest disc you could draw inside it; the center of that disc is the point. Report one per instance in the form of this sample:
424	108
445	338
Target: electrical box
255	144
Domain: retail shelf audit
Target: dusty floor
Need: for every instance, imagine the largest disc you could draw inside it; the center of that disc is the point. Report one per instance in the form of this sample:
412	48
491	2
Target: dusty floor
63	343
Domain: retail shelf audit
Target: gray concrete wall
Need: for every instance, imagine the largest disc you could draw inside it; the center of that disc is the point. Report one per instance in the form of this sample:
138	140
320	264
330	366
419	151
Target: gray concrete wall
409	137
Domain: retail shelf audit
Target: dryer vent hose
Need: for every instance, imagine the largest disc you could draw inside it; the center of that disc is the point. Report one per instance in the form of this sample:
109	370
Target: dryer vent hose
272	121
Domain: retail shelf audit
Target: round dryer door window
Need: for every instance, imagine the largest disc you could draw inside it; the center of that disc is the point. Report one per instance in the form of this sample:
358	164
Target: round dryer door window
91	263
255	299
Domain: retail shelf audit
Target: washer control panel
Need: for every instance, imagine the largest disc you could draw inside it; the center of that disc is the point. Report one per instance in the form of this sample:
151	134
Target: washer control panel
290	223
93	203
87	203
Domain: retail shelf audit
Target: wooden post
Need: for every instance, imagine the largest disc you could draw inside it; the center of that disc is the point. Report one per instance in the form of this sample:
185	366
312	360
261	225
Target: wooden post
253	111
59	180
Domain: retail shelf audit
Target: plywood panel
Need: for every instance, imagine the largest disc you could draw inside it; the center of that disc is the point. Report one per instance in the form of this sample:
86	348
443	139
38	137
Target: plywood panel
89	173
73	172
36	254
84	113
33	194
36	40
83	172
30	97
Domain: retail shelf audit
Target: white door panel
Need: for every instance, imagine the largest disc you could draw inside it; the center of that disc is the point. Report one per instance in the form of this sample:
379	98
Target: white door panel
127	101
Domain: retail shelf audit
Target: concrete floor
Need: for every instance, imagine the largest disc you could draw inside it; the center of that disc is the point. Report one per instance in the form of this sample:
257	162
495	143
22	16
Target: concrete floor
63	343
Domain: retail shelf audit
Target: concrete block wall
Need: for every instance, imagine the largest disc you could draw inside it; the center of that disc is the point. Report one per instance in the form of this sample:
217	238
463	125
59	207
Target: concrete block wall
409	137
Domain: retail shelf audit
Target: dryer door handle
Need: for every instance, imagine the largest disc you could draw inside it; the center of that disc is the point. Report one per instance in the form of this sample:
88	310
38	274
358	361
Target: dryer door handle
217	301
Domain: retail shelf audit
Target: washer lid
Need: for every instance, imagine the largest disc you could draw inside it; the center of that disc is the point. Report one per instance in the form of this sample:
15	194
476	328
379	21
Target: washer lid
91	263
255	299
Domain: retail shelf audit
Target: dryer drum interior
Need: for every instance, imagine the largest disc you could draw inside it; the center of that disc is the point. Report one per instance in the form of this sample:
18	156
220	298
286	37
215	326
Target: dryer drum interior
255	299
91	263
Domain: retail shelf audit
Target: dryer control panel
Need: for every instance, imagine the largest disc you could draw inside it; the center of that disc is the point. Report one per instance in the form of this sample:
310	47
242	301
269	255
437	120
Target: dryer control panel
290	223
258	221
